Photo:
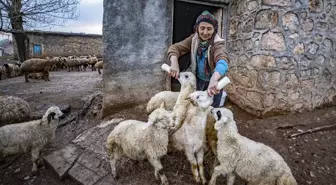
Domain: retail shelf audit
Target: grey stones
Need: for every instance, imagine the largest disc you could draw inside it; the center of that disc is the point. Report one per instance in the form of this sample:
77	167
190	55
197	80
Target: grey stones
290	21
89	168
299	49
316	6
308	25
266	19
262	61
273	41
62	160
278	2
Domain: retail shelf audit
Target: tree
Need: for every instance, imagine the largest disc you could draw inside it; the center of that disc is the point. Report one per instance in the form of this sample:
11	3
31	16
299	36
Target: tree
16	16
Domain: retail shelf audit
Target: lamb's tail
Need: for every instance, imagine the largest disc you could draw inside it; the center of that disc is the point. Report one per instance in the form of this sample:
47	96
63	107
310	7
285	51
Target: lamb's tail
153	104
110	146
286	179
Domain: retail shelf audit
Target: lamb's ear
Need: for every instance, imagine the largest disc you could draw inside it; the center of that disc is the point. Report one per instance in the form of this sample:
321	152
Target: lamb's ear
219	115
51	116
163	105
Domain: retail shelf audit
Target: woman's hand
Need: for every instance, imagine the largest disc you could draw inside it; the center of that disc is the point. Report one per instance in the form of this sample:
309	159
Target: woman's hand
212	88
174	67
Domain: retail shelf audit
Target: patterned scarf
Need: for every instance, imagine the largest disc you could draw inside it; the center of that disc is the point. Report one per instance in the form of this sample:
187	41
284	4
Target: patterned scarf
203	46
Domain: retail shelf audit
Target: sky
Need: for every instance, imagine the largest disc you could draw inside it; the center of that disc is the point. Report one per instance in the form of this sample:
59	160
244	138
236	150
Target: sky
89	20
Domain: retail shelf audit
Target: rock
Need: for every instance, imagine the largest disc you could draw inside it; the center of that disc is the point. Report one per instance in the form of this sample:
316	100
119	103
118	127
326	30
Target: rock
266	19
262	61
252	5
312	48
316	6
322	26
290	21
328	8
308	25
327	45
299	49
273	41
248	27
278	2
285	62
17	170
27	178
62	160
89	168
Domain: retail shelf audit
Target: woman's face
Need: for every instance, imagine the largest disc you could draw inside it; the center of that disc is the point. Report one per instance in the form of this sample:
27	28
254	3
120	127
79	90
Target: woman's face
205	31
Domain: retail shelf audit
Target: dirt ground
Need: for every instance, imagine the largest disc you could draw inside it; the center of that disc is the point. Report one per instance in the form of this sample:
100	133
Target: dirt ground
311	157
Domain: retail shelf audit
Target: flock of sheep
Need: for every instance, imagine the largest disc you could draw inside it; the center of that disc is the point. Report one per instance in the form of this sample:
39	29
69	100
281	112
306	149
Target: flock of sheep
39	68
183	121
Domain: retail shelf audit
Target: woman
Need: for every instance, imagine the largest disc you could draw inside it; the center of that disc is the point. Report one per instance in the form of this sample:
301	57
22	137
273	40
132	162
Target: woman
208	58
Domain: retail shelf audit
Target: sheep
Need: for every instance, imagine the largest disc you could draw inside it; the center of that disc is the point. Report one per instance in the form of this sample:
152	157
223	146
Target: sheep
190	137
139	140
9	69
17	71
36	65
30	136
255	162
92	61
99	65
2	71
13	109
168	97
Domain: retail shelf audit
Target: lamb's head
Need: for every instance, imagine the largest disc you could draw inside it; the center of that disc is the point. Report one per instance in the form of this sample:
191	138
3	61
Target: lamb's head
6	66
54	113
201	99
161	118
187	78
224	118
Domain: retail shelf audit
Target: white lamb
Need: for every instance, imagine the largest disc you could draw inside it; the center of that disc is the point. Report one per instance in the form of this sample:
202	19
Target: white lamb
255	162
30	136
168	97
190	138
139	140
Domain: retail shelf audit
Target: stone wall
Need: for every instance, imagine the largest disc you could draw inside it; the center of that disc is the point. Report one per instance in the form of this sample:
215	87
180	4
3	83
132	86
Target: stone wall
136	38
64	44
283	55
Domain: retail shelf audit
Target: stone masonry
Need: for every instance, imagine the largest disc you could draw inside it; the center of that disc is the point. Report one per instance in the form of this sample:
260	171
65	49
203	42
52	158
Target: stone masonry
283	55
64	44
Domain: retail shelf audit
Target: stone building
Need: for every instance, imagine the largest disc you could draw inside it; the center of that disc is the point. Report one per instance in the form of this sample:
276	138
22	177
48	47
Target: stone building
283	53
48	43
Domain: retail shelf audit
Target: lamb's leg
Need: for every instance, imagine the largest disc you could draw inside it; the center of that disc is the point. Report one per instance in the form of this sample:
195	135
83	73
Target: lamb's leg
200	156
99	71
115	155
221	169
155	162
192	159
26	77
35	156
47	75
230	179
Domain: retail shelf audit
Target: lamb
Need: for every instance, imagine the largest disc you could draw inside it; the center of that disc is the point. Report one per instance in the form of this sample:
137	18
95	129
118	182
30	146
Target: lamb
13	109
9	69
36	65
139	140
30	136
190	138
168	97
99	65
188	86
255	162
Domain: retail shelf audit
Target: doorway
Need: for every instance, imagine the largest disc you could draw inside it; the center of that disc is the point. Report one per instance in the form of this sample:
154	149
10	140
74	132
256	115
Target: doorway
184	18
